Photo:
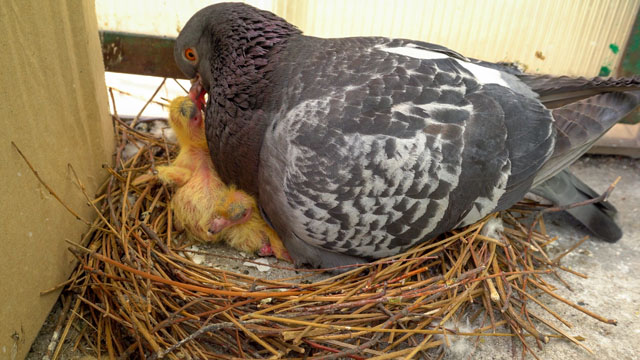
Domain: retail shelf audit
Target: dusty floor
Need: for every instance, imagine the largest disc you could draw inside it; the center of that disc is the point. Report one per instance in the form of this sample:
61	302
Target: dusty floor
612	289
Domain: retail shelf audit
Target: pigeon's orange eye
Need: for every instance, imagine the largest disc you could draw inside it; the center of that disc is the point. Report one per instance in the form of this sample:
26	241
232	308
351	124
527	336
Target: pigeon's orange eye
190	54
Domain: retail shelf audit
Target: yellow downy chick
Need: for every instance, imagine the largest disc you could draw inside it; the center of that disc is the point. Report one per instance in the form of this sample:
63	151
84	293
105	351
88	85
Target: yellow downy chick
203	205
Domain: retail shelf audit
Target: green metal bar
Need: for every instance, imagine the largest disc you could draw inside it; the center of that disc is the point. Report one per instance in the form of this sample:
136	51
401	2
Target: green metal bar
139	54
631	56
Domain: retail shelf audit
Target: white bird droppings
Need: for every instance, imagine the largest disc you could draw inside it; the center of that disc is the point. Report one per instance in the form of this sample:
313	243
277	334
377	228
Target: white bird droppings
261	268
198	258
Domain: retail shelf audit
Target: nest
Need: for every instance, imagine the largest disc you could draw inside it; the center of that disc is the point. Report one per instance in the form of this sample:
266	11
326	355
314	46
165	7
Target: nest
138	293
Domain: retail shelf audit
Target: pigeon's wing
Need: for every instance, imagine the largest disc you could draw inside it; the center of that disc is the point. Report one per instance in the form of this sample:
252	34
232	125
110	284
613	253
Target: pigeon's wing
580	124
555	91
565	189
380	145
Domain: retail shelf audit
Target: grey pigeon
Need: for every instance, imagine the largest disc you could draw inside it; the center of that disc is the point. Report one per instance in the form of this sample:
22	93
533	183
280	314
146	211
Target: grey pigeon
359	148
565	188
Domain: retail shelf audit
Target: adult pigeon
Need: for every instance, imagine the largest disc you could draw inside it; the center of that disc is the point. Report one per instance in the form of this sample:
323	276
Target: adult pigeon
366	146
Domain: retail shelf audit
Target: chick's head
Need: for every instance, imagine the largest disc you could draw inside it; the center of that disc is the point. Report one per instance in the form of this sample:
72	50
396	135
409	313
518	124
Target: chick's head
186	120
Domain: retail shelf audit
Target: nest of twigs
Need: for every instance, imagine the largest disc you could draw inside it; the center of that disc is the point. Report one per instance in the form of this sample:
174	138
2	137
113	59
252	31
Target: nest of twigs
137	293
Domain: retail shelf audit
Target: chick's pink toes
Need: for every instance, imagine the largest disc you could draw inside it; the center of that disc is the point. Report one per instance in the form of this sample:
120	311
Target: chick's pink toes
265	250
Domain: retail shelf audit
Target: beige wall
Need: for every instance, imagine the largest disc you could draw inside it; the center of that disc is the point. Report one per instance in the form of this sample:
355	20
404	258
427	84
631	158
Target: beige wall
54	107
571	37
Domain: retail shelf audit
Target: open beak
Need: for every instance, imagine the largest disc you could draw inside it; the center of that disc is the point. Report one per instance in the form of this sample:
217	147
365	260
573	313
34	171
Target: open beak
196	93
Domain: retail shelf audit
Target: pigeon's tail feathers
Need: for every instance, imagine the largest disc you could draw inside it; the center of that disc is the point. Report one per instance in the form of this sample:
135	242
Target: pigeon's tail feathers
597	222
605	206
565	189
555	91
579	124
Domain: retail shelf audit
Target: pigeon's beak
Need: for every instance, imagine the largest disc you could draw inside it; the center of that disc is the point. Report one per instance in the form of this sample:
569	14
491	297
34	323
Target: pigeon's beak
196	93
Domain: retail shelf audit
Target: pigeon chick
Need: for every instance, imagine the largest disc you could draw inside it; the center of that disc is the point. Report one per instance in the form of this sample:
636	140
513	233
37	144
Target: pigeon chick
203	205
366	146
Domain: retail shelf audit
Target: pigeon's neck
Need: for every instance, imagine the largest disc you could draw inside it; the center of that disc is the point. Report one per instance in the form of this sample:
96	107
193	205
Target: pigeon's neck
239	100
246	59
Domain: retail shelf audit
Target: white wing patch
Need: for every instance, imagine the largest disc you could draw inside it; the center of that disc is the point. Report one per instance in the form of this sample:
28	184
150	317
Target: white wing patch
414	52
482	74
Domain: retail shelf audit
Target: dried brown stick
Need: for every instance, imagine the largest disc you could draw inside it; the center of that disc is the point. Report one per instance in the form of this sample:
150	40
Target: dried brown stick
570	249
563	333
49	189
573	305
55	337
135	120
208	328
392	319
326	348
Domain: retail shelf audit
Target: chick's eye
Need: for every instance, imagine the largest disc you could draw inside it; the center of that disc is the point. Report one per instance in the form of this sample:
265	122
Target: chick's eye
190	54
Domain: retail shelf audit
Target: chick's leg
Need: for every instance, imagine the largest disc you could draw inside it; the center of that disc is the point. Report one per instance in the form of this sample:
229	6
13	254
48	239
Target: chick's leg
173	175
272	245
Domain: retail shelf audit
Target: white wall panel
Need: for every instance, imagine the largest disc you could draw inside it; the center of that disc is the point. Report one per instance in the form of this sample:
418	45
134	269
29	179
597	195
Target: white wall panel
572	37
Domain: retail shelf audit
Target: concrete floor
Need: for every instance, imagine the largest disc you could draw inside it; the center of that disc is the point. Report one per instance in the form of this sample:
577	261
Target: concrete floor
612	289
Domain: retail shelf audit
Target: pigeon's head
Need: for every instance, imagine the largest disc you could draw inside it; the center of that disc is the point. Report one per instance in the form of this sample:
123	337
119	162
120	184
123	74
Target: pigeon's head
193	49
227	37
185	119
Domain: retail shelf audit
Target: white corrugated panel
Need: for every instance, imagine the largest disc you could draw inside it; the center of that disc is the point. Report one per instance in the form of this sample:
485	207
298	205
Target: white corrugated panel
572	37
155	17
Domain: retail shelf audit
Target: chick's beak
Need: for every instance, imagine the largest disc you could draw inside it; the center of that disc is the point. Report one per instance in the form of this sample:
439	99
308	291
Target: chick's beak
196	93
221	223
